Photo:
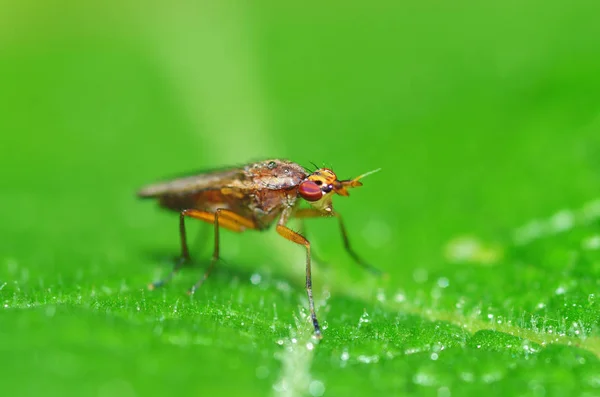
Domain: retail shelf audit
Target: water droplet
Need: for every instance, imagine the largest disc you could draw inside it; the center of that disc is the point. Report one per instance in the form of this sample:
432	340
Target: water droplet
368	359
443	282
462	249
412	350
460	303
316	388
283	286
434	356
344	357
280	387
491	377
424	379
562	221
529	232
591	243
467	376
363	319
400	297
255	278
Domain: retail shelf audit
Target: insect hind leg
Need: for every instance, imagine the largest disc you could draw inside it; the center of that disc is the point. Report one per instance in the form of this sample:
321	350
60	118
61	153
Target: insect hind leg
159	283
183	259
227	219
220	218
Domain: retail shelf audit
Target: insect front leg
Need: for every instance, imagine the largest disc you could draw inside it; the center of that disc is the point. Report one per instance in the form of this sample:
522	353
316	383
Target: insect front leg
297	238
312	213
314	255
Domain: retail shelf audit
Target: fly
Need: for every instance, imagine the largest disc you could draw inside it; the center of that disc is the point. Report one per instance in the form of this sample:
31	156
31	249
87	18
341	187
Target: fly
254	197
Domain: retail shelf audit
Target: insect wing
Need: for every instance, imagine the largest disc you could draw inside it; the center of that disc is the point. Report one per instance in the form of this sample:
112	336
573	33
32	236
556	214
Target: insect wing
195	183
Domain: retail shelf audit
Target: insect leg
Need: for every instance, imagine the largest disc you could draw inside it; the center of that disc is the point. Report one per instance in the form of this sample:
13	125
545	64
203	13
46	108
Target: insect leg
297	238
316	257
312	213
236	226
183	259
227	219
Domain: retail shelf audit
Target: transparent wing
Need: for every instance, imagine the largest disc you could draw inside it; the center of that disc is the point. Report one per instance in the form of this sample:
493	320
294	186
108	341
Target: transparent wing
233	178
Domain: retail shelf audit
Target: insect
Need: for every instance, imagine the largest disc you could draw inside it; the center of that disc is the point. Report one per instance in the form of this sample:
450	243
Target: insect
254	197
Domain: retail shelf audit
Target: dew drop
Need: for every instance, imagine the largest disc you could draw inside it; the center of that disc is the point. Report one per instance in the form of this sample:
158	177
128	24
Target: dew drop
255	278
443	282
562	221
363	319
591	243
467	376
423	379
316	388
400	297
368	359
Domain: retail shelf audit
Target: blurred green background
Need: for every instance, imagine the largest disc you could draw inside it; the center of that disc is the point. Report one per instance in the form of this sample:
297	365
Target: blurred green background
485	120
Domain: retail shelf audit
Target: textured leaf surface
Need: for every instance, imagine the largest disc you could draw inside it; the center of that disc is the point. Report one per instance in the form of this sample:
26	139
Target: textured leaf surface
485	215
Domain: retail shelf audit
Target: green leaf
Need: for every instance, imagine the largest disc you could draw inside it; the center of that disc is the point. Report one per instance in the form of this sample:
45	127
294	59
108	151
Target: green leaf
485	216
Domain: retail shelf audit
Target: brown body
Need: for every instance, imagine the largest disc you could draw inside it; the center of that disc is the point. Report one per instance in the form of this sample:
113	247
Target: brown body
259	191
254	197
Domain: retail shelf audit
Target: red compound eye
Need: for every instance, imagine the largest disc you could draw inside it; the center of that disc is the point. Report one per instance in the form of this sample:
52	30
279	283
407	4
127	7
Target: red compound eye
310	191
